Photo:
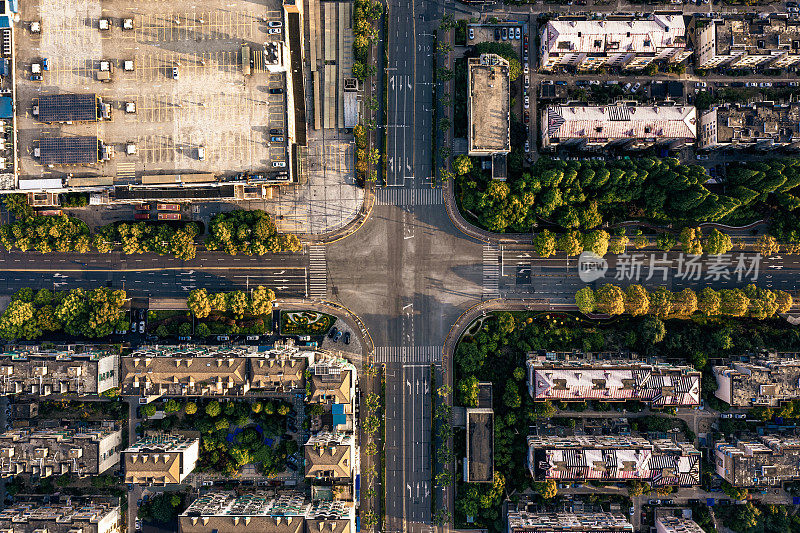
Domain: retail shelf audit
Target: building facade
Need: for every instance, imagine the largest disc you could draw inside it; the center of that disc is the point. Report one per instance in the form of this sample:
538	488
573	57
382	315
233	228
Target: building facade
610	458
661	385
623	43
219	512
526	522
762	382
71	371
330	456
618	126
758	461
747	42
758	125
68	517
57	451
161	459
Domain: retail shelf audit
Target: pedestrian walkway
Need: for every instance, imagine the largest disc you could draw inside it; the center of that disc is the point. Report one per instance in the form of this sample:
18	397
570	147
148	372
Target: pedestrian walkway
317	272
126	171
491	271
408	354
404	197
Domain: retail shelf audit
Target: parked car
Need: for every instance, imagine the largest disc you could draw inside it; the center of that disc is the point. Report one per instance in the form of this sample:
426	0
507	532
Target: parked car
133	327
740	416
141	326
525	69
702	157
334	330
517	33
275	131
223	338
527	101
184	338
337	337
253	337
636	87
274	31
346	338
471	34
497	34
527	147
174	73
505	34
276	139
275	24
276	91
726	415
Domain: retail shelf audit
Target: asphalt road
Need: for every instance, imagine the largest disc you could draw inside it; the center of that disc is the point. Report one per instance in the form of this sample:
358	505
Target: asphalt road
154	275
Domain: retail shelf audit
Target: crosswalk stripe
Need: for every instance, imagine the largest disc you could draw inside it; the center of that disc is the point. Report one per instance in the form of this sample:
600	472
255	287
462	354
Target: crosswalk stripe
317	272
126	170
491	271
406	197
408	354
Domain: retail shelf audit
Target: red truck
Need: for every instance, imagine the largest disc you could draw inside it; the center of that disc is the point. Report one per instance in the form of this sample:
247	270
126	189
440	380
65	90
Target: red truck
142	216
169	207
169	216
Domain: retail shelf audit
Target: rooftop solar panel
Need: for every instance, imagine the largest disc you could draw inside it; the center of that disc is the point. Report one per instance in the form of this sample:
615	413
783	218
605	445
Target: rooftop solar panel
68	108
68	150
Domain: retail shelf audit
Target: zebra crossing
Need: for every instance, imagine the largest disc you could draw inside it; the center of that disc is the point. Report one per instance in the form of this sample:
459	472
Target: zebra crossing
317	273
403	197
491	271
408	354
126	170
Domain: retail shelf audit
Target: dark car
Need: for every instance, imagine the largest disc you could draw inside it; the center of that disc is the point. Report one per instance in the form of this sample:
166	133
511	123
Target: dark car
497	34
275	131
333	332
346	338
337	337
276	91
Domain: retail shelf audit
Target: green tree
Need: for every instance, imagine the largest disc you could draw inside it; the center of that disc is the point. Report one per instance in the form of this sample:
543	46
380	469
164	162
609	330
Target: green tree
708	301
506	323
570	243
462	165
172	406
661	302
261	301
199	303
148	410
767	245
733	302
637	301
610	300
546	489
213	409
511	397
691	241
468	387
585	301
684	303
202	330
652	330
544	243
718	243
191	408
596	241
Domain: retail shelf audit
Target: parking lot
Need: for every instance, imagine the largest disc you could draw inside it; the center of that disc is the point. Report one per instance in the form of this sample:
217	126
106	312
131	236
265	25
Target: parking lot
193	108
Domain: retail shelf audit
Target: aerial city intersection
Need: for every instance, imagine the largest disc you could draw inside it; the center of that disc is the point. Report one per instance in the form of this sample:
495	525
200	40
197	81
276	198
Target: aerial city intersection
392	266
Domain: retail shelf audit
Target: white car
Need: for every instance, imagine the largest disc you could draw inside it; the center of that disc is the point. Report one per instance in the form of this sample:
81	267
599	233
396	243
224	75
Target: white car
281	164
471	34
274	31
527	146
275	24
636	87
141	326
527	101
525	69
517	33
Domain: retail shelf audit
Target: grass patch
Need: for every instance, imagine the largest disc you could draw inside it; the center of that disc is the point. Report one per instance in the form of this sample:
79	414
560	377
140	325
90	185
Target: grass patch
305	323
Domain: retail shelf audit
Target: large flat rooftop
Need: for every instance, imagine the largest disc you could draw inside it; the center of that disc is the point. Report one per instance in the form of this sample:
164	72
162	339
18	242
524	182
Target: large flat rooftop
488	105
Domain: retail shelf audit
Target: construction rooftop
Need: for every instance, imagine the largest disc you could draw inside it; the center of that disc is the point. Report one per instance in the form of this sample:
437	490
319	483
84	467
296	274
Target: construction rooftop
761	124
758	461
488	105
527	522
765	382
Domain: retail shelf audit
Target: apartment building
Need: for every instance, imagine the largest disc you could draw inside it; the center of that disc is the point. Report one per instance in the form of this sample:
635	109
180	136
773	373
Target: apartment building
70	371
661	385
764	381
185	371
747	42
161	459
57	451
758	461
623	42
70	516
528	522
621	126
156	371
676	524
330	456
220	512
611	458
758	125
333	385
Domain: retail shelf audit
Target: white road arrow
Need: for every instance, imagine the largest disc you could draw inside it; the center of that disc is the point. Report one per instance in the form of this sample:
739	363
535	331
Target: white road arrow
523	256
408	80
409	489
282	280
279	273
281	288
391	82
409	385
